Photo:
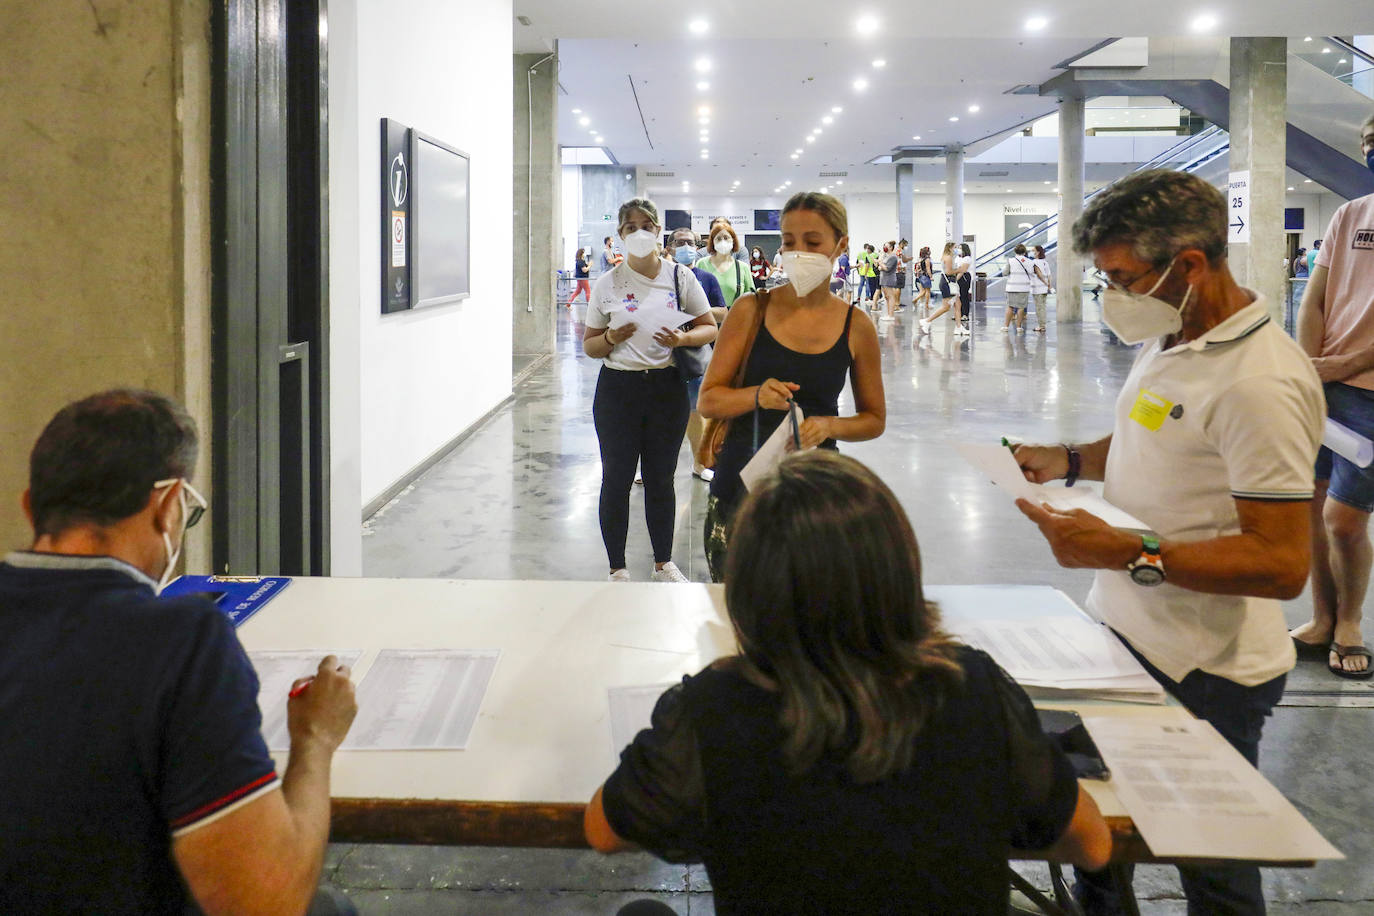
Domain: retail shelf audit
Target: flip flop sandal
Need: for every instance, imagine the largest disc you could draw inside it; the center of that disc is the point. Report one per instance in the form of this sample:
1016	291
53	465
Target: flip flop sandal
1344	652
1310	650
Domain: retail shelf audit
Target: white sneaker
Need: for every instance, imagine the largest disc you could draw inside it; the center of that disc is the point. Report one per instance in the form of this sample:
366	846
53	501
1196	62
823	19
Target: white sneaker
703	473
620	575
925	326
669	573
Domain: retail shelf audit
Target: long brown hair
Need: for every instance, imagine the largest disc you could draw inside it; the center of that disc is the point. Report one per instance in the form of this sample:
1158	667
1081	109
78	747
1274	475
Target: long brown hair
823	586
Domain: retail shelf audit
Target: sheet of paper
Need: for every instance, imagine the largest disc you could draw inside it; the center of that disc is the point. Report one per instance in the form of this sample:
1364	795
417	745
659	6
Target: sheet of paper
770	452
997	463
277	669
1192	794
631	710
1057	649
421	698
649	319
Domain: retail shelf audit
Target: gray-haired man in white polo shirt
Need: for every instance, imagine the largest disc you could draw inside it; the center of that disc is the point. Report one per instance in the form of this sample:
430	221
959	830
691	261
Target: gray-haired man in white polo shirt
1216	430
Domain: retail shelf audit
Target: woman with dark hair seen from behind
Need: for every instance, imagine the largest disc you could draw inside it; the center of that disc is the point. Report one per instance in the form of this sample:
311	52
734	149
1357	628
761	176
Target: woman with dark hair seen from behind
891	768
640	407
799	342
925	270
1041	286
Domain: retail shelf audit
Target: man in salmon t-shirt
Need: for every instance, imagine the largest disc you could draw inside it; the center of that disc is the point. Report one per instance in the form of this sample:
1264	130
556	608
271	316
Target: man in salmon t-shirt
1336	328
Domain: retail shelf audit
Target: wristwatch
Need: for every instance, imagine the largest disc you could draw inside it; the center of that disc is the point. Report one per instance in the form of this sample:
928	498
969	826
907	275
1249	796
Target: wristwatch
1148	568
1075	465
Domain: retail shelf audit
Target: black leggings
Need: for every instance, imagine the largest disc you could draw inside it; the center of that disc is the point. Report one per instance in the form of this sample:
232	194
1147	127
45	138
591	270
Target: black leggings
640	419
965	294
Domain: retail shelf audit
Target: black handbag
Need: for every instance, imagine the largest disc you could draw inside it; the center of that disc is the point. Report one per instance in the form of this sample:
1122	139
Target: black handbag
691	362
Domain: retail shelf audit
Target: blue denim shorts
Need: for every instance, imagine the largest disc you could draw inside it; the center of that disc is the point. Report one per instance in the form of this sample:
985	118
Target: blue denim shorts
1354	486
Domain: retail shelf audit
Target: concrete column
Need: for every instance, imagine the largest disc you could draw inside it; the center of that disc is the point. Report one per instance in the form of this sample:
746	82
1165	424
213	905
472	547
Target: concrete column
1259	112
906	183
954	194
1068	281
536	203
104	221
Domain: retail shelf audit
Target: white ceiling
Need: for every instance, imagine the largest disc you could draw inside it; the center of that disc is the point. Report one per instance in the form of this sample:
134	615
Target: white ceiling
784	66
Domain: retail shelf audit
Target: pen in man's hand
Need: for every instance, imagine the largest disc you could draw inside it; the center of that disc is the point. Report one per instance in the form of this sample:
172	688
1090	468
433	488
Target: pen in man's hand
300	688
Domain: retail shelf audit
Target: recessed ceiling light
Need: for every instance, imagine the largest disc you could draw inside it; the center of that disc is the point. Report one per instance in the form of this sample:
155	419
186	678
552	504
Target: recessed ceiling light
584	121
698	26
577	111
703	120
837	109
841	181
1290	189
942	182
1307	181
1056	190
973	109
817	131
811	139
702	85
880	63
1308	38
705	154
1008	190
860	84
1326	50
1036	23
1341	61
736	181
916	137
795	156
827	120
1047	182
597	138
702	64
866	25
787	184
797	151
1204	23
954	117
704	110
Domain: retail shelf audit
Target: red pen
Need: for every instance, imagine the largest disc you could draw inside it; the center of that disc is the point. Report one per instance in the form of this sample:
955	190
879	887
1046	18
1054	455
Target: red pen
300	688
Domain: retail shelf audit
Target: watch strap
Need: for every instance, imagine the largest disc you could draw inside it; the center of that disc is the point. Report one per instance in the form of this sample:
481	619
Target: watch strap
1075	465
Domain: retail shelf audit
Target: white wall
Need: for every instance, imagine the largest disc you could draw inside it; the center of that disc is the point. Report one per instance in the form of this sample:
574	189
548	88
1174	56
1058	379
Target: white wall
404	385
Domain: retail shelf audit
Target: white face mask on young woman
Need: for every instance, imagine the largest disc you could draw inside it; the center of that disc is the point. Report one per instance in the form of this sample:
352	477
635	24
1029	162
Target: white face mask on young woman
1136	318
641	243
806	270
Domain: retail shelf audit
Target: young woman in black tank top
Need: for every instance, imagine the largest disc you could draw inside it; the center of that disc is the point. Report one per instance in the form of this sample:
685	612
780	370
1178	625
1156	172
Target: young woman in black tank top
808	344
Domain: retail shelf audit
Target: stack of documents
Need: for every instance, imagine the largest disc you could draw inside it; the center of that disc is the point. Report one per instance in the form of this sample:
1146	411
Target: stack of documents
1061	658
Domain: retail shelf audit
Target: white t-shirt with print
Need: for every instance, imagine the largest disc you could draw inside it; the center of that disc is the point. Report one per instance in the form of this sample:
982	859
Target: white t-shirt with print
624	290
1236	414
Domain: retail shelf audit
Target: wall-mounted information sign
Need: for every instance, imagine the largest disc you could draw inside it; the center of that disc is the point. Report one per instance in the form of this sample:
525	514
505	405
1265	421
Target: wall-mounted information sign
396	224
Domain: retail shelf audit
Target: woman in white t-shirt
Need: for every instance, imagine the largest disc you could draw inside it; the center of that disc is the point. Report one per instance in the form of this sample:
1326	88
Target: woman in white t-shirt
1041	286
640	409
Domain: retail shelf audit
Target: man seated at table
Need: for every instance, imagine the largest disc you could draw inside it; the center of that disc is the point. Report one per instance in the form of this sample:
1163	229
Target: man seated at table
133	775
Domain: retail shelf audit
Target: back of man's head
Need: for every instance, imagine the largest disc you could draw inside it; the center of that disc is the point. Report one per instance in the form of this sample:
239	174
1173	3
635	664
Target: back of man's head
97	460
1158	213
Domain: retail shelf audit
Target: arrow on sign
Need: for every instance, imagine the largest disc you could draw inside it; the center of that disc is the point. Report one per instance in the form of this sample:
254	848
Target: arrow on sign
399	283
1239	224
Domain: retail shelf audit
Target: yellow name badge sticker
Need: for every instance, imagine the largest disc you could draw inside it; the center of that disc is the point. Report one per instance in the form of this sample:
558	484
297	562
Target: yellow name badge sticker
1150	410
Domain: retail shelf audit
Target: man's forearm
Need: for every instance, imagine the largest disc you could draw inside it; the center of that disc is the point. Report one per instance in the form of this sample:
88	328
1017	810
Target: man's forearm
1094	457
305	787
1239	564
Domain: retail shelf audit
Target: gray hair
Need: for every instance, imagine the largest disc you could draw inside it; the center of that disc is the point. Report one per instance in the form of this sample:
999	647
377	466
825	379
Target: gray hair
643	205
1158	213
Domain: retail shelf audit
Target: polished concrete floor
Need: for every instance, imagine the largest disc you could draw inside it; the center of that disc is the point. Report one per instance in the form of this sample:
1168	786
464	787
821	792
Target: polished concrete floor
518	500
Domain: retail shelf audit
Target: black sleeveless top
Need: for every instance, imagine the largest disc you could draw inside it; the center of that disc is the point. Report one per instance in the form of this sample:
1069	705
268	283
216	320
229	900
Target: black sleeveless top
821	377
706	782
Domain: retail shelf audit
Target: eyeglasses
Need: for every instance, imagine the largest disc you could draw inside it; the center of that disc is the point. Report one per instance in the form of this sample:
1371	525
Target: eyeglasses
1125	285
194	512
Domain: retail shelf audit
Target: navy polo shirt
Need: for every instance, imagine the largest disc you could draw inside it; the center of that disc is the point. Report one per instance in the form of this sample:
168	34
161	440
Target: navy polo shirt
125	720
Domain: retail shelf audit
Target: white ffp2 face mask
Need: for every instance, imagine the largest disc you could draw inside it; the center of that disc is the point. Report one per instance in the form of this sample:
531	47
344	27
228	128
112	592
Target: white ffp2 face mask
173	554
1136	318
806	270
641	243
724	244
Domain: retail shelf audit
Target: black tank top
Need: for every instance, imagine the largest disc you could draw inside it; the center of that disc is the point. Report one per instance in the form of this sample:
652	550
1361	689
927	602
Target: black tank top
821	377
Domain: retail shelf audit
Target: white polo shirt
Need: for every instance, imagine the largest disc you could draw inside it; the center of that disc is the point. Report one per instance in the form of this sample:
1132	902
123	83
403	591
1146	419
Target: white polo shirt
1236	414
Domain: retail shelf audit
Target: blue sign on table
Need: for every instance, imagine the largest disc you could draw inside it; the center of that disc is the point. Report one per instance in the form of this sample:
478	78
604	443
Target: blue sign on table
239	597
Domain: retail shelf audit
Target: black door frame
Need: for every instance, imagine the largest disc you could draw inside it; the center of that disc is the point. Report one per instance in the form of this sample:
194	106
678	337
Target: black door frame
270	319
